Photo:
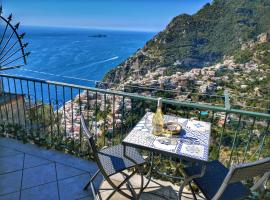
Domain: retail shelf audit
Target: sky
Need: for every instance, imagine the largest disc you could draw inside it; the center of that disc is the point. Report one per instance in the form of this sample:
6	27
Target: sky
139	15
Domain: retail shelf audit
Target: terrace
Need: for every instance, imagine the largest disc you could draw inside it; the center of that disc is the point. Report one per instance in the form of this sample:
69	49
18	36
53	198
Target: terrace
30	172
44	155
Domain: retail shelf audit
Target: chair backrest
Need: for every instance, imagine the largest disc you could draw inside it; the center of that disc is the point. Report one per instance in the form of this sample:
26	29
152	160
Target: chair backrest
244	172
89	135
250	170
93	147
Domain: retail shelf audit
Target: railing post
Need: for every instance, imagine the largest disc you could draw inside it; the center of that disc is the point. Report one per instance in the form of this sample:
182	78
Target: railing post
227	107
227	100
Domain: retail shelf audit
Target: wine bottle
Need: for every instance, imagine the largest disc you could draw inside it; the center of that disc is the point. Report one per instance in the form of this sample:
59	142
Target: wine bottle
157	121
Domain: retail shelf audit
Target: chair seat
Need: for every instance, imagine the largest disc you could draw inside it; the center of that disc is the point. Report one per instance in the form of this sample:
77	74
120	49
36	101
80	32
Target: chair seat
213	178
113	160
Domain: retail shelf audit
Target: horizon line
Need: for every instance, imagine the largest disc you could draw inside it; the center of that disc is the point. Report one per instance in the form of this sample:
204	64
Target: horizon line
93	28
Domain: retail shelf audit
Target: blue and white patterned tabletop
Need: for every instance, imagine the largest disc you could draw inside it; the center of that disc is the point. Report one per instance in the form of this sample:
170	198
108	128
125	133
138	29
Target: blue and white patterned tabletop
192	142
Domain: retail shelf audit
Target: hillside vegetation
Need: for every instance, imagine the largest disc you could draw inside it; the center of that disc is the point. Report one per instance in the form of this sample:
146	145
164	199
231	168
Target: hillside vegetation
202	39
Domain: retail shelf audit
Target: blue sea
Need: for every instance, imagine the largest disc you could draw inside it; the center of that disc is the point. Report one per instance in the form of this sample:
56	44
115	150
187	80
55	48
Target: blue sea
76	56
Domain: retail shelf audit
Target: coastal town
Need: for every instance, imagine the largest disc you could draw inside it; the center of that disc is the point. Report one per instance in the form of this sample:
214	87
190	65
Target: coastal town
90	106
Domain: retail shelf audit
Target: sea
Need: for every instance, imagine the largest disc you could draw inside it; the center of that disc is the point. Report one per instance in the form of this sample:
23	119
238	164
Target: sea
75	56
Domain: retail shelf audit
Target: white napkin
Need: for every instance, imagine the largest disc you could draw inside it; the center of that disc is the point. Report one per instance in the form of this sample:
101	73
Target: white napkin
193	150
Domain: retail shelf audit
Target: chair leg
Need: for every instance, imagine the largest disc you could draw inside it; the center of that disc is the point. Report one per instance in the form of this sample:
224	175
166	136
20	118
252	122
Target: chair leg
94	191
117	188
193	193
87	185
188	179
91	179
129	185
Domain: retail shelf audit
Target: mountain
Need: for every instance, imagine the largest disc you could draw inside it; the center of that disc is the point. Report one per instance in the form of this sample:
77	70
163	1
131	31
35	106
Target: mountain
198	40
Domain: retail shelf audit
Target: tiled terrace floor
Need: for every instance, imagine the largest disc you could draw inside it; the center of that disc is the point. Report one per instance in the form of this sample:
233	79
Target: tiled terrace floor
28	172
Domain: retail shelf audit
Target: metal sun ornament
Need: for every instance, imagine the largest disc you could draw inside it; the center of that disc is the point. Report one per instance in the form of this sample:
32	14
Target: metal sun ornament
12	50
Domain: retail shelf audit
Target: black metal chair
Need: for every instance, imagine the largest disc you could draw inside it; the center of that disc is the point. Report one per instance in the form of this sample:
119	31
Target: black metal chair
220	183
112	160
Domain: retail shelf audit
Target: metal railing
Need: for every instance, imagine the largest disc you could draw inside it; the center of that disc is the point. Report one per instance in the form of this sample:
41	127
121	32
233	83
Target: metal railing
48	113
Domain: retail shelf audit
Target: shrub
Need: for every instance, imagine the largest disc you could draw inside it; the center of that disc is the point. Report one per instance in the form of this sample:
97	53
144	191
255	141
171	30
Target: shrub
243	56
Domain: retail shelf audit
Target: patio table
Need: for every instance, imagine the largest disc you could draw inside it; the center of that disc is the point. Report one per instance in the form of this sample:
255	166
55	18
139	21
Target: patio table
192	143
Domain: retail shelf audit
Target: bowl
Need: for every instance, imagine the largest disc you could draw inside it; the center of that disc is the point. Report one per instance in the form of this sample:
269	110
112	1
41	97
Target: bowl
172	127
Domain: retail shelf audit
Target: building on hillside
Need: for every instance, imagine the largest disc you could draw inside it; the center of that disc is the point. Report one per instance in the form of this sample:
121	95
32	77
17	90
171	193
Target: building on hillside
12	109
263	38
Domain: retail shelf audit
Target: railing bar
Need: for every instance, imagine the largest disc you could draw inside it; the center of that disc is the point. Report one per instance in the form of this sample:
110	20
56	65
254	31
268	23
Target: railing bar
249	138
235	139
2	119
72	120
64	109
122	116
113	113
213	116
104	120
51	110
43	109
24	113
130	116
72	132
221	135
227	100
80	131
10	101
188	113
36	111
17	104
2	94
57	110
96	113
165	108
142	110
132	113
266	132
29	109
88	106
261	147
5	100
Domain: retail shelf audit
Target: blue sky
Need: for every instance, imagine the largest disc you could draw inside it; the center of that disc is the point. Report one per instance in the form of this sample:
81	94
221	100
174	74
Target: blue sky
140	15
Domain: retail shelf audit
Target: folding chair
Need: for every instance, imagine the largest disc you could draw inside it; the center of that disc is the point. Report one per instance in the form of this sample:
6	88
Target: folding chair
220	183
112	160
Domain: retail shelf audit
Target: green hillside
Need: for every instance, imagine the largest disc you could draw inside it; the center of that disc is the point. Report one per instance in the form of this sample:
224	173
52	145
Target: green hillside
198	40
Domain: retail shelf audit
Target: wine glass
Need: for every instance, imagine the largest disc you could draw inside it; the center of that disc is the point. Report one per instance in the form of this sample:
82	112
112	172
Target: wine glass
171	124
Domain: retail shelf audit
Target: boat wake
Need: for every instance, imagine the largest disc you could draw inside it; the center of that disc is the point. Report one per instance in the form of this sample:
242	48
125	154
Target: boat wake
113	58
86	65
72	77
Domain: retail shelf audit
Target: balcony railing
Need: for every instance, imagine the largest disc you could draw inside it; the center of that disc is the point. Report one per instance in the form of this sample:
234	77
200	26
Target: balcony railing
48	113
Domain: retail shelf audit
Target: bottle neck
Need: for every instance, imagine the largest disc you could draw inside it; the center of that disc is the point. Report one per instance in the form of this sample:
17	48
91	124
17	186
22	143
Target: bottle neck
159	105
159	109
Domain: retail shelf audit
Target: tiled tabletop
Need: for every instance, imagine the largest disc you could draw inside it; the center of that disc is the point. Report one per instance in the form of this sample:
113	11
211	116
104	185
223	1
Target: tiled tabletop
191	143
